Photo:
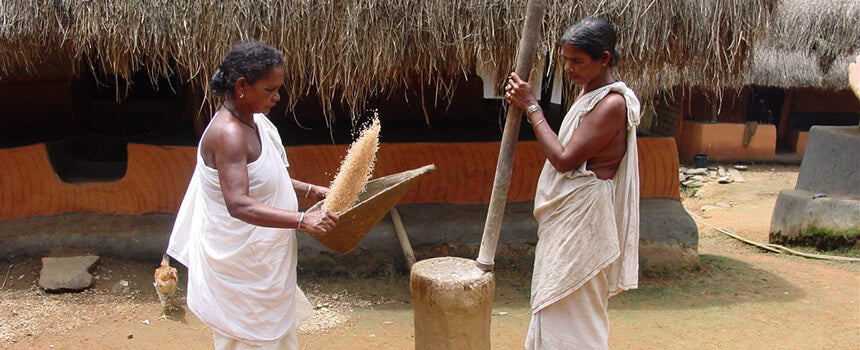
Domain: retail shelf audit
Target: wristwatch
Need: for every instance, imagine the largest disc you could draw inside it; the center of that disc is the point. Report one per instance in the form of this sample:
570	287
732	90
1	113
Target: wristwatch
531	109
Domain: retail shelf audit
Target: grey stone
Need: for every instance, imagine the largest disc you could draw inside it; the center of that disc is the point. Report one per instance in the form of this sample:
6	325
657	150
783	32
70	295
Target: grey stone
121	287
700	178
736	176
67	274
697	171
725	180
796	211
668	237
692	183
831	163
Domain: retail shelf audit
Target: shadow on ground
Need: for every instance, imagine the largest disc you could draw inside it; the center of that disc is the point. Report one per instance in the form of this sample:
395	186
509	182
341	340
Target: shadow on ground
721	281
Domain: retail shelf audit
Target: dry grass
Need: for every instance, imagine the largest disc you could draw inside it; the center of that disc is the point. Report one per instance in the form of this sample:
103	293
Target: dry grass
807	43
347	51
355	170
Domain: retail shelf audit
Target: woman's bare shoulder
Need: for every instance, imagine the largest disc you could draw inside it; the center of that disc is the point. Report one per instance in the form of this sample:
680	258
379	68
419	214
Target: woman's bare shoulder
222	140
613	101
611	107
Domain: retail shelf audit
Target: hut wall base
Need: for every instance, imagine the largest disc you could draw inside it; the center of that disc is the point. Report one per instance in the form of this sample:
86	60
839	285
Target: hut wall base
724	141
796	212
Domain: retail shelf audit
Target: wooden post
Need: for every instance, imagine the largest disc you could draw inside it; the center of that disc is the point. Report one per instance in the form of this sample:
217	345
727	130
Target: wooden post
452	298
502	182
787	101
400	230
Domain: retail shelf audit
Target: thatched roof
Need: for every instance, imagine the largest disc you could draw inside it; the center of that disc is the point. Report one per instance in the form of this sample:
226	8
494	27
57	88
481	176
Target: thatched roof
349	50
809	43
774	67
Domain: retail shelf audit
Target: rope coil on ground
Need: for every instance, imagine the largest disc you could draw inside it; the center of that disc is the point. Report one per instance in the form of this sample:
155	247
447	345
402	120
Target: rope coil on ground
774	248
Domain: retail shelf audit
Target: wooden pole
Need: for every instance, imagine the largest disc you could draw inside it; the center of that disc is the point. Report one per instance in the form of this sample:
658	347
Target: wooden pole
787	101
502	182
400	230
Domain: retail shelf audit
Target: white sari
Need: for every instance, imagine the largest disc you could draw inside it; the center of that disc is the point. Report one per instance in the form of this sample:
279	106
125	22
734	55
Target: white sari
587	227
241	277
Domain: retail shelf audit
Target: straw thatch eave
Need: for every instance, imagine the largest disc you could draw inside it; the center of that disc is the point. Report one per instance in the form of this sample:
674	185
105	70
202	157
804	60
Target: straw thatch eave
349	50
808	44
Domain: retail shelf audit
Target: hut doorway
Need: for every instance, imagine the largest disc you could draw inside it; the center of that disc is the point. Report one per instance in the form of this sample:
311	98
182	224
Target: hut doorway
771	97
765	106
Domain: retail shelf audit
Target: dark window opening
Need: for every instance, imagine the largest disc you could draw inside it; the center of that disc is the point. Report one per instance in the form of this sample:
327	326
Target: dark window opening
88	158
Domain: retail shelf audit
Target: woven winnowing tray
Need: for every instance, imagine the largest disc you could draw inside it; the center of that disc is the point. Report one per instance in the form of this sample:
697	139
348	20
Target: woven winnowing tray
379	196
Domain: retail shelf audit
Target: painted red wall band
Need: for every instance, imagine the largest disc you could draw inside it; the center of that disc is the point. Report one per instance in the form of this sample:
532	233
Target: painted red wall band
157	176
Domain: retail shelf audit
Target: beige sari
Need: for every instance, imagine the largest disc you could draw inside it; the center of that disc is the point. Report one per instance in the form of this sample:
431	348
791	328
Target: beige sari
587	228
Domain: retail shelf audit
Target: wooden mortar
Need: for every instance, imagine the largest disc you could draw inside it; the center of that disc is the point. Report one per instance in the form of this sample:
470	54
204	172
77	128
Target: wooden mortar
452	301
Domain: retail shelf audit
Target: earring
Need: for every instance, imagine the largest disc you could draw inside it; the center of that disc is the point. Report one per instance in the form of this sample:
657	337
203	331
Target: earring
242	95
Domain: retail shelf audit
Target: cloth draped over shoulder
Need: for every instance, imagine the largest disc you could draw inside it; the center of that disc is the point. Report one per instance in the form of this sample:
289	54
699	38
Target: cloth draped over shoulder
242	279
586	224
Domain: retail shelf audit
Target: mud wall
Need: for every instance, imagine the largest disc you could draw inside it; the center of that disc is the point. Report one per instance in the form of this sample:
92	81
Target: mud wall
724	141
155	180
157	176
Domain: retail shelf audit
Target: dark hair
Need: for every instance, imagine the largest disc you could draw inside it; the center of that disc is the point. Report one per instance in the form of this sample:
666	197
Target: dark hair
593	36
249	60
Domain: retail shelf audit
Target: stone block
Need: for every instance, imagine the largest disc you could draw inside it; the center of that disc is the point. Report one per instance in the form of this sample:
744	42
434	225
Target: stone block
831	163
796	212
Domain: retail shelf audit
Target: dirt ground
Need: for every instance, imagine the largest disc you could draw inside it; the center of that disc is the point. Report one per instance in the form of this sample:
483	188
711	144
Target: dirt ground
742	298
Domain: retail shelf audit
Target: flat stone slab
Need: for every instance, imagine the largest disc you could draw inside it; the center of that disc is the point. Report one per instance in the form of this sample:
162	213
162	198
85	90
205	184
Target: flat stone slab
67	274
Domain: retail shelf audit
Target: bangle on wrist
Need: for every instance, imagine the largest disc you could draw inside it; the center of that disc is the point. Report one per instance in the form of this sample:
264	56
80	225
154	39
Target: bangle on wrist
538	123
308	193
301	218
531	109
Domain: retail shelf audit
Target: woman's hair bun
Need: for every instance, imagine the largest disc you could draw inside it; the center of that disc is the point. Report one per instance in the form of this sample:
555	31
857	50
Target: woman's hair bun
218	83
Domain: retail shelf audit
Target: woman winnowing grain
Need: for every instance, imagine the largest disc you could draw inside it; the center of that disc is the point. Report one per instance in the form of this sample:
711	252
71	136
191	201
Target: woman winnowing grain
235	229
587	199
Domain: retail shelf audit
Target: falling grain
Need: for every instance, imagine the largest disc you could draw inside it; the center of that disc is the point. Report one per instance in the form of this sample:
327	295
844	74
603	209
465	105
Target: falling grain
355	170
